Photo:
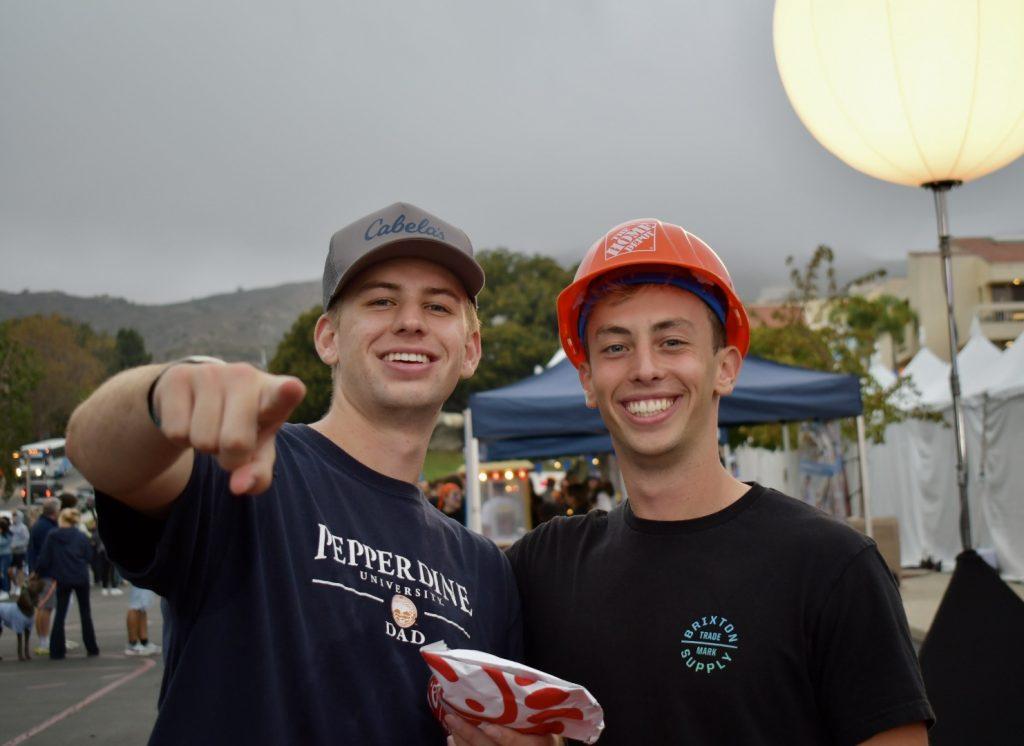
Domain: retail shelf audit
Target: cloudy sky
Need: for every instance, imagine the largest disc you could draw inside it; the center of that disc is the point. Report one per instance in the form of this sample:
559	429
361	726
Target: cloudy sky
163	151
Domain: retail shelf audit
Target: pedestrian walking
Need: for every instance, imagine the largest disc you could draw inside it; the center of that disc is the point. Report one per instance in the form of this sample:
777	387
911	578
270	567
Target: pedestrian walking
65	558
45	523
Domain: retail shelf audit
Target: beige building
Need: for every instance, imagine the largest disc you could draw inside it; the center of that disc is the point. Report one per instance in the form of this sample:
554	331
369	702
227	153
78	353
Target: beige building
988	282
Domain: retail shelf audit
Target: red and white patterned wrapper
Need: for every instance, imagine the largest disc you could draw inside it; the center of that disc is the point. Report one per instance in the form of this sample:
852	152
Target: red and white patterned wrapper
480	688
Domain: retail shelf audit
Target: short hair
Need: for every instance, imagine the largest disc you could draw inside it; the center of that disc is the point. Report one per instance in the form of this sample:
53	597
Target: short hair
69	517
50	506
619	288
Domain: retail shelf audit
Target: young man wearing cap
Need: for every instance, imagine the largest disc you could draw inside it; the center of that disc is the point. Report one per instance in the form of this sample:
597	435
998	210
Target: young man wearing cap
703	610
308	634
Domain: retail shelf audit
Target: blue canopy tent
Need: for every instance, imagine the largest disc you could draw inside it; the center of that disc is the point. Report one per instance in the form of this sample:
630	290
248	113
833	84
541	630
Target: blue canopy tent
545	415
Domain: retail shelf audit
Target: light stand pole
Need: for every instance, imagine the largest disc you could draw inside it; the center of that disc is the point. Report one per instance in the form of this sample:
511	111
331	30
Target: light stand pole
939	189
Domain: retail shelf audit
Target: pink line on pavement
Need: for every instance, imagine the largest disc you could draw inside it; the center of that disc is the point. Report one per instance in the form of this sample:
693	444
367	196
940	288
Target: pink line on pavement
145	666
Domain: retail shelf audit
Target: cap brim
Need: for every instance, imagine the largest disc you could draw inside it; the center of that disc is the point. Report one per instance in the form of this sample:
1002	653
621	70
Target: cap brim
463	266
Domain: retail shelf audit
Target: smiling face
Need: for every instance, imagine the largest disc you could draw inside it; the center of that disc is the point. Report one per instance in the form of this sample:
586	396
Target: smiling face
654	372
402	337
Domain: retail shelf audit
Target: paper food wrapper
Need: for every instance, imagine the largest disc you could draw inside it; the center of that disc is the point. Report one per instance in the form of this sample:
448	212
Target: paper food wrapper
480	687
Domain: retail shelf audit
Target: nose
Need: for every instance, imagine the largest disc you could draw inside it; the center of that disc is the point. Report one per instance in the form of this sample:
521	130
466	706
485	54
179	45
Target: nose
646	368
409	320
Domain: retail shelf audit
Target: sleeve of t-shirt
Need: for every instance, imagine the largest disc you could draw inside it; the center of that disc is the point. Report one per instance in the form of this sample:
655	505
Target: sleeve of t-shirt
868	677
177	552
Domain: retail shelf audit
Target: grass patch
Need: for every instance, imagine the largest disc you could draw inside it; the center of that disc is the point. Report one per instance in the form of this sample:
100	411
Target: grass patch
442	463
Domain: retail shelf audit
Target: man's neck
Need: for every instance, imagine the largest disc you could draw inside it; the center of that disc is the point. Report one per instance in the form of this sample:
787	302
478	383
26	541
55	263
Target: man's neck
393	444
678	487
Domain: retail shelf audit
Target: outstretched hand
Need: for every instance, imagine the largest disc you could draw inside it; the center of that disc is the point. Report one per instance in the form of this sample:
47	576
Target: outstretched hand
231	411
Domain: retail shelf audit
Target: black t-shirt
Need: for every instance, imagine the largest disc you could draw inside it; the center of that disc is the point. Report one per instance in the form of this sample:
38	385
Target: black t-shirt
298	614
765	623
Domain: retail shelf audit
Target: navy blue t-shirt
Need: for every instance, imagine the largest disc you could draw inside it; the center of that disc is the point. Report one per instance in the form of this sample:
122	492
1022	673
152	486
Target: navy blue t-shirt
298	614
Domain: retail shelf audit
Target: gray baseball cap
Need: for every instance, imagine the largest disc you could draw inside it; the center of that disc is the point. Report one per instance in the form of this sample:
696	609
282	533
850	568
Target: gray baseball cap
399	230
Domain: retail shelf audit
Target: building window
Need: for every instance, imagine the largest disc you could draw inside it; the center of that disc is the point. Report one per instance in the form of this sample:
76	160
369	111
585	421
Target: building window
1008	292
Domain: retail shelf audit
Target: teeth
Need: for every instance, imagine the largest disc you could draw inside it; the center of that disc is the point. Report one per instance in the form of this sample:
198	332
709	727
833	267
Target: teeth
406	357
648	407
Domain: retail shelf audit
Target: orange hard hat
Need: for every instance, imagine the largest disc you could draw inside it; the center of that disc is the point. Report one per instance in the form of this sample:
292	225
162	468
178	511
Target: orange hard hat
652	249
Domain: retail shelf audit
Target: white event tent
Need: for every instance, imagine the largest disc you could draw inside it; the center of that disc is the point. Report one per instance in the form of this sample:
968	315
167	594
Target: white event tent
913	474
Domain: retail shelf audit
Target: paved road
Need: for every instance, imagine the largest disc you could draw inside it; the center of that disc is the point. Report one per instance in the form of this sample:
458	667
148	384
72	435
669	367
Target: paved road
106	700
112	699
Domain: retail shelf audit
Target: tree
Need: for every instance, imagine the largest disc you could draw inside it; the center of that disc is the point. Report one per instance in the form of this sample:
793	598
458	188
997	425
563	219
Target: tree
518	320
825	326
71	365
296	356
129	351
19	374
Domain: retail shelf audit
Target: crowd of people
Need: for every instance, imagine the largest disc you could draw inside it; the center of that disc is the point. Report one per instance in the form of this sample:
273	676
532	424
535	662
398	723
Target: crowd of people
50	554
567	496
570	496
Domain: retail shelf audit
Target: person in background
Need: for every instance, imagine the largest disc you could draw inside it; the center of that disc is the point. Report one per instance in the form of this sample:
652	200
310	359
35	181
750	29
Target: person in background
137	620
551	503
6	555
104	567
19	546
65	558
604	497
450	502
44	524
577	499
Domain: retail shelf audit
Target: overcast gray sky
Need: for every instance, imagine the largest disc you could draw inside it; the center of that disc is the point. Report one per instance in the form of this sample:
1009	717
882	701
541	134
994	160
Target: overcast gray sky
162	151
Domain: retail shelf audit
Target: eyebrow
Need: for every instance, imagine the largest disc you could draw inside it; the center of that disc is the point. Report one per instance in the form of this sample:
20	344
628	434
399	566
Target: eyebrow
381	285
675	323
612	330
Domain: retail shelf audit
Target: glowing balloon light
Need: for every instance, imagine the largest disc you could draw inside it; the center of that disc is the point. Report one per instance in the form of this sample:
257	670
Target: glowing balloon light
916	92
909	91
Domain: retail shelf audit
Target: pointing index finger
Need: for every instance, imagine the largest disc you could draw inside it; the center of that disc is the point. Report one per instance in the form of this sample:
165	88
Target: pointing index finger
280	395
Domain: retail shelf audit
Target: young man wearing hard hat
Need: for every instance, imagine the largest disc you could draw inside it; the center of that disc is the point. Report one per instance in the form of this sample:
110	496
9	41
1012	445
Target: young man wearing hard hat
703	610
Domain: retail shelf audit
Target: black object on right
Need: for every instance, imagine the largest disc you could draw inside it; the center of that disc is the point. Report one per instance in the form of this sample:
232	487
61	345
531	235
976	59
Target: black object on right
973	658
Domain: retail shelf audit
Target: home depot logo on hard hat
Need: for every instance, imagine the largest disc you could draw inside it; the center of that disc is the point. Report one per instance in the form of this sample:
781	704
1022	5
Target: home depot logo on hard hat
632	238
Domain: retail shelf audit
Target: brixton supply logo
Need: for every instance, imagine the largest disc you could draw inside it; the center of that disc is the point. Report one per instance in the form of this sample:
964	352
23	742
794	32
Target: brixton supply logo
709	644
632	238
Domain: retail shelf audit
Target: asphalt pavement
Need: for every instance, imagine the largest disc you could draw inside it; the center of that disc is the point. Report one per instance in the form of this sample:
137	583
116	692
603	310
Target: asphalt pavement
110	699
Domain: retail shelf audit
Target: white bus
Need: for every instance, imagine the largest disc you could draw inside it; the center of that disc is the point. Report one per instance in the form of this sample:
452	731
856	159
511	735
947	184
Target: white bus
40	466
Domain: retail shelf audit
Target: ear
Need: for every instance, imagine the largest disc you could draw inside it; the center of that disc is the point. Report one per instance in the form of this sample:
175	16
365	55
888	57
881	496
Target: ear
473	354
586	380
729	363
324	335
